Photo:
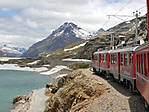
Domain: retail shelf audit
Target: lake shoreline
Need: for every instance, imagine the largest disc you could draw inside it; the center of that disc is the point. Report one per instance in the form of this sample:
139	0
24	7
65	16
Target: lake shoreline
23	85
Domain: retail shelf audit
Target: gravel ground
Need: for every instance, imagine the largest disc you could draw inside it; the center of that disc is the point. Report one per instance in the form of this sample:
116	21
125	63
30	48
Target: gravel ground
38	101
117	99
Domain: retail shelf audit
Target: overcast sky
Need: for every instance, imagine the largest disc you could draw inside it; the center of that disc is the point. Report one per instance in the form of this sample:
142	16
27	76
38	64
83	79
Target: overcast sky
25	22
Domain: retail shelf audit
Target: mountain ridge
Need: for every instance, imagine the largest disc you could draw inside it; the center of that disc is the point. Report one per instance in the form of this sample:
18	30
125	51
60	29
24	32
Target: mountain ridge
12	50
66	34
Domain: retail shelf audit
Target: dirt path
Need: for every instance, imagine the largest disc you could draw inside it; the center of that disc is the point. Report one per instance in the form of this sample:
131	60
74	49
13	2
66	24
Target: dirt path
38	101
118	98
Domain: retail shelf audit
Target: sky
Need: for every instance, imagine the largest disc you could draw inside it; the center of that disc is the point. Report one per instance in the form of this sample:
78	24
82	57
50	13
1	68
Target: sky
24	22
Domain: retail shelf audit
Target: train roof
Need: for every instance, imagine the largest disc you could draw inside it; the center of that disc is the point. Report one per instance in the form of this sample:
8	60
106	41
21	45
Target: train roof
117	50
125	49
143	46
105	51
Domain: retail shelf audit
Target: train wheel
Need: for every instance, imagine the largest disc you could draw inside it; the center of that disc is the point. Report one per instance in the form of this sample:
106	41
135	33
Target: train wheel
146	105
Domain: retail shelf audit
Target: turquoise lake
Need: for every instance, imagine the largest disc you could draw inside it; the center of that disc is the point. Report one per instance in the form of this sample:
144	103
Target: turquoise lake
16	83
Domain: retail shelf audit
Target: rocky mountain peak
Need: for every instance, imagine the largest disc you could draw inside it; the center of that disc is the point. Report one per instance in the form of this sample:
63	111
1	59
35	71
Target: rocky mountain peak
69	28
66	34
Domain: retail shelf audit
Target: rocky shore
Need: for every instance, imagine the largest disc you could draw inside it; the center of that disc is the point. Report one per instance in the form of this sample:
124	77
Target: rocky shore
73	92
22	103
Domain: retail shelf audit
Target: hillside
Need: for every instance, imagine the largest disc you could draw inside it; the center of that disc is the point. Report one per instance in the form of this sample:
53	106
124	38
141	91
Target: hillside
66	34
123	33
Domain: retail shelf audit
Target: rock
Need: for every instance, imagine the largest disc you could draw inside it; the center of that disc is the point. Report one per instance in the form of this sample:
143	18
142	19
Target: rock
21	100
74	92
52	87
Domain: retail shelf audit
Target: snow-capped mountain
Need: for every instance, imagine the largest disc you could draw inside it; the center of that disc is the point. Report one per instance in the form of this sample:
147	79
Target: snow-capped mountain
68	28
99	31
66	34
13	51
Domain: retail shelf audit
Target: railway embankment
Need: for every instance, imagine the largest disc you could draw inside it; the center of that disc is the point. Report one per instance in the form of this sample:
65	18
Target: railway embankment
84	91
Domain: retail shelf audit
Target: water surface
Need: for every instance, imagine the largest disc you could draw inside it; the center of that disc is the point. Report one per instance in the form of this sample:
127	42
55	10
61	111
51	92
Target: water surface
15	83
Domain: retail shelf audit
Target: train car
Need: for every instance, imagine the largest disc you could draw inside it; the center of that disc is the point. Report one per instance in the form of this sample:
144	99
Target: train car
142	67
122	66
115	64
96	62
101	61
142	72
127	68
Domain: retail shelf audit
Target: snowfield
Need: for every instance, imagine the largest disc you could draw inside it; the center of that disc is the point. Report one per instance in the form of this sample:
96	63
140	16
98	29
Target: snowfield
81	33
55	70
34	62
77	60
16	67
70	49
7	58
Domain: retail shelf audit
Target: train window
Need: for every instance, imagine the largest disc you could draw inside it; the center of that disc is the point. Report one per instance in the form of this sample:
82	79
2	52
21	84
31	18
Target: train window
125	59
145	67
121	59
115	58
104	57
96	57
147	64
112	59
137	63
130	58
142	69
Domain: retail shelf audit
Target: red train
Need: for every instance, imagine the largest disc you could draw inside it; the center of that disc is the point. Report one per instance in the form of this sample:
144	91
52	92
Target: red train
129	65
118	64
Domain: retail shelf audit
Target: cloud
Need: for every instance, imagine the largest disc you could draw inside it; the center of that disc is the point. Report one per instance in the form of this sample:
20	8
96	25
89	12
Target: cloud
32	20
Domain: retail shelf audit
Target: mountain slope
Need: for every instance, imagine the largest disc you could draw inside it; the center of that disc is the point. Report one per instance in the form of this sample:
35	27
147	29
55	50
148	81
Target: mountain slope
66	34
123	33
12	51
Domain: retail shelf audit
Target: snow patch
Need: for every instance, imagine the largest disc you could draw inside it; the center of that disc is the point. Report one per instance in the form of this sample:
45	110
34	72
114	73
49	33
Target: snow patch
59	33
16	67
46	65
141	42
7	58
82	34
77	60
121	36
34	62
62	75
70	49
55	70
